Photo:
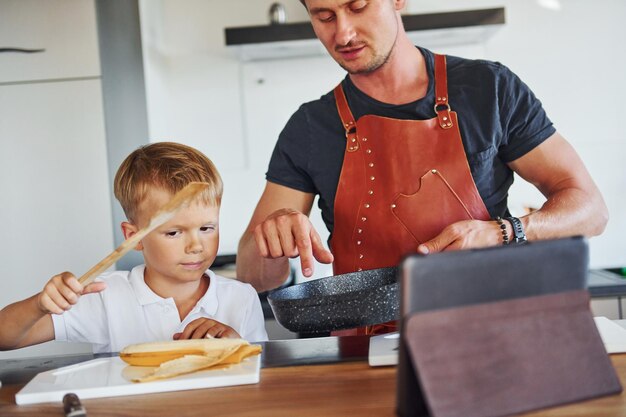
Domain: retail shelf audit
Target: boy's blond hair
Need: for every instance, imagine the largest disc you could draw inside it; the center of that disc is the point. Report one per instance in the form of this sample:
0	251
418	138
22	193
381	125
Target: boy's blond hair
166	165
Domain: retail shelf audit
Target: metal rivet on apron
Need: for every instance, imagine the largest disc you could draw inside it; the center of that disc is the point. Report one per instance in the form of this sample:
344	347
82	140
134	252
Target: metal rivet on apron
360	231
371	165
358	242
368	151
445	118
434	171
367	206
354	139
360	256
363	219
372	178
438	99
364	139
393	206
360	269
370	192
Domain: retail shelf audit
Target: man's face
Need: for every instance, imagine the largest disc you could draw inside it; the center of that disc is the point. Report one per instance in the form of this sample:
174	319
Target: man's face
183	248
358	34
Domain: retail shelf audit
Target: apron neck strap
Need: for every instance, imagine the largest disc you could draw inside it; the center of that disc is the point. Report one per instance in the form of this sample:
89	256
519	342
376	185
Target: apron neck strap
441	80
347	119
442	105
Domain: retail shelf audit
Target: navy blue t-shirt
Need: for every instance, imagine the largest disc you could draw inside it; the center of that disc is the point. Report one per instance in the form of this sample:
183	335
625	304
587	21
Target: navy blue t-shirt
500	120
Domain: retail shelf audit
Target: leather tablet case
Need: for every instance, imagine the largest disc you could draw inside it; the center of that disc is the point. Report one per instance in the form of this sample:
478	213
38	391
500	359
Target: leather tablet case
452	280
507	357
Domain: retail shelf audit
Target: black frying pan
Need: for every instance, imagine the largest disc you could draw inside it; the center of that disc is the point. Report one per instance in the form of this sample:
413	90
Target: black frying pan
338	302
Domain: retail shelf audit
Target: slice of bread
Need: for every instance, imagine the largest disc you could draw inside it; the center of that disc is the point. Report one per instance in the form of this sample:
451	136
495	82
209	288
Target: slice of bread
155	353
180	357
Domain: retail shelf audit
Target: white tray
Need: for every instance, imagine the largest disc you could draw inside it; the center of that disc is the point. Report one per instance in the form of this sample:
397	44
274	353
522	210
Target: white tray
111	377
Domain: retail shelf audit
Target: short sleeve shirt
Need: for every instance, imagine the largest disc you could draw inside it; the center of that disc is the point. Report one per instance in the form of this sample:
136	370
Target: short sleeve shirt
500	120
129	312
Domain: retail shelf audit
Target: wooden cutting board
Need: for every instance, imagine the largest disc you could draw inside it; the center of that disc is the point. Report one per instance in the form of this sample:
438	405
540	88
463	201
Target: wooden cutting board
111	377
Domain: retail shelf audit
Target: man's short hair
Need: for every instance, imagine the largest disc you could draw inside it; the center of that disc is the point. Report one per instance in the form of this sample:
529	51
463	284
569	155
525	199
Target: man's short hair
166	165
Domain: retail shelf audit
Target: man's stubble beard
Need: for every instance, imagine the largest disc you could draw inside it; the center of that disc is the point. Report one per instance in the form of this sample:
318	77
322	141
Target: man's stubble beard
376	62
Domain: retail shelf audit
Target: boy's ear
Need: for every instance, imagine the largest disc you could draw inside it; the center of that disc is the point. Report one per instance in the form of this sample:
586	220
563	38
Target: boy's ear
129	229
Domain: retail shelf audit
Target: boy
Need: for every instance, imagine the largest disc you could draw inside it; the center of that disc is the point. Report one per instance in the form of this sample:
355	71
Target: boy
173	296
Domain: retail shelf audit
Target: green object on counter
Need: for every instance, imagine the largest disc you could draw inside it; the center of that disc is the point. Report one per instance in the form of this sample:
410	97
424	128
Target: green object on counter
621	272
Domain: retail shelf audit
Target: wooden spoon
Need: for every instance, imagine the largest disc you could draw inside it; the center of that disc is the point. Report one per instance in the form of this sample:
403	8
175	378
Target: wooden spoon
164	214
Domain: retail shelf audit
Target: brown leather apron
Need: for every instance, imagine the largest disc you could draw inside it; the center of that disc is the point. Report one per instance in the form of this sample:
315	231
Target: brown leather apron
402	182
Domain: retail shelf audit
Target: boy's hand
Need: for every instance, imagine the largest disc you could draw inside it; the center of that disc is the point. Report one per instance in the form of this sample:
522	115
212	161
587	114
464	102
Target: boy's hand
63	291
205	327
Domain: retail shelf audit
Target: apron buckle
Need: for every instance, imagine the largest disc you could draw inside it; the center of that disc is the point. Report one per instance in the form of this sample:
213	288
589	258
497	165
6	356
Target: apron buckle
443	114
352	142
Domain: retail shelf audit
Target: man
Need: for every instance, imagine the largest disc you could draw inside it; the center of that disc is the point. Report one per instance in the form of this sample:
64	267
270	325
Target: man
412	151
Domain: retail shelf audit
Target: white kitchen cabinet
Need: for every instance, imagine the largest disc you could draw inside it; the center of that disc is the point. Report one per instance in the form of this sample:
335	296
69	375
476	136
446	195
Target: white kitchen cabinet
54	179
66	29
56	205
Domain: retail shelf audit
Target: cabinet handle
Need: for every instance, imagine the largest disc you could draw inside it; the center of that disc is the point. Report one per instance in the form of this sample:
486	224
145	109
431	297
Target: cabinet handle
22	50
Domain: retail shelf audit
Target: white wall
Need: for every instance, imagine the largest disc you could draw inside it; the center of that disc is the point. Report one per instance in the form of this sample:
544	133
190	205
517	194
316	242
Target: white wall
200	94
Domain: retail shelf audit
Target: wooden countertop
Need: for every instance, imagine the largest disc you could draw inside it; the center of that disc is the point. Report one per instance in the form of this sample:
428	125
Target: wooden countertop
351	388
320	390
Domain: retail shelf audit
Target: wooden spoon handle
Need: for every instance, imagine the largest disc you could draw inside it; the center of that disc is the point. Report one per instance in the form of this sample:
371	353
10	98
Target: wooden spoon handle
164	214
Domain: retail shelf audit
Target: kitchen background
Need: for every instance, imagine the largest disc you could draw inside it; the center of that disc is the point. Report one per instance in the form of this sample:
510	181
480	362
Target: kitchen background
117	74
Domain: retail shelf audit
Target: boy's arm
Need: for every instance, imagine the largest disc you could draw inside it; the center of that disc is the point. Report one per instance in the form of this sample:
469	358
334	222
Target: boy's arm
24	324
28	322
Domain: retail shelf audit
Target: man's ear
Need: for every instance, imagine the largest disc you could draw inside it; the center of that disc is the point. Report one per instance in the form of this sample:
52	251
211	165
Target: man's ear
129	229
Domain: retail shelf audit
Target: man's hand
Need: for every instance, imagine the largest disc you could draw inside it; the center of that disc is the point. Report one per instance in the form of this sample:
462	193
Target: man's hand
288	232
466	234
206	328
63	291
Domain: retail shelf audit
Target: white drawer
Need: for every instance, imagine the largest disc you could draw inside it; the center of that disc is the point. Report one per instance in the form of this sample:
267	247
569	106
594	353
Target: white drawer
66	29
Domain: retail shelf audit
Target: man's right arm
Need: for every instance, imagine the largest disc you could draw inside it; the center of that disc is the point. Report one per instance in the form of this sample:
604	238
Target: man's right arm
279	229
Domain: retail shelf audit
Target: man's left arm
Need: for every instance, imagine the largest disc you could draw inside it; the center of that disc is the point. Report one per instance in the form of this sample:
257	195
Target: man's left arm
574	205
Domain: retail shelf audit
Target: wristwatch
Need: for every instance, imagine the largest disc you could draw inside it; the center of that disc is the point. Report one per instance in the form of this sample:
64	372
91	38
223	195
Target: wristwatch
518	230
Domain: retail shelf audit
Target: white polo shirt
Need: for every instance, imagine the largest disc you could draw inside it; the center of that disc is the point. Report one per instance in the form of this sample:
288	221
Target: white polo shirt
128	312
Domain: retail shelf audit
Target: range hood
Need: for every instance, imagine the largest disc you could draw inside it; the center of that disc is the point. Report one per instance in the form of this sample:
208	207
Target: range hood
429	30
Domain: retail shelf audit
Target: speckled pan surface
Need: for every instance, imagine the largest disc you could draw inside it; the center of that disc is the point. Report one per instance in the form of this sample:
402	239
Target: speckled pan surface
338	302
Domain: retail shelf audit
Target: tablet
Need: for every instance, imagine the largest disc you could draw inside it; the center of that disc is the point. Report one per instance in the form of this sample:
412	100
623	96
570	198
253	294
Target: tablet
462	278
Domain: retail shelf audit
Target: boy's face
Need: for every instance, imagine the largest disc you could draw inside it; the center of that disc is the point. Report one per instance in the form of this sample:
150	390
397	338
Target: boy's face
184	247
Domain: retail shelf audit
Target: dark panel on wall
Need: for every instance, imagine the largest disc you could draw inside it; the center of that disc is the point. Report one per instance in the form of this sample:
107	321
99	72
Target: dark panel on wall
124	95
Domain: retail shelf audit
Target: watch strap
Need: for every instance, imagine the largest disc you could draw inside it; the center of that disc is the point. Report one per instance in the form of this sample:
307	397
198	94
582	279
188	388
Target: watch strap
518	229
